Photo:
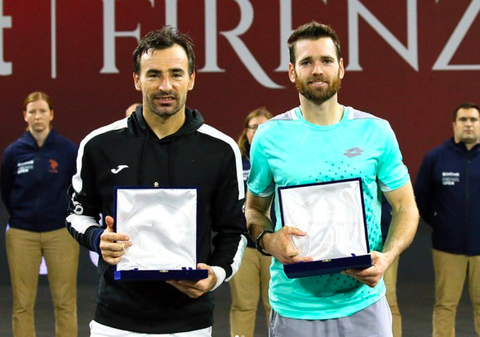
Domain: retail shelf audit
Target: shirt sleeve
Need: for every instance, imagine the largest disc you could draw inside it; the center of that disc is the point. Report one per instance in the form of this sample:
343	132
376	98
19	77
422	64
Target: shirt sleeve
72	160
423	190
83	212
260	179
392	172
228	220
7	177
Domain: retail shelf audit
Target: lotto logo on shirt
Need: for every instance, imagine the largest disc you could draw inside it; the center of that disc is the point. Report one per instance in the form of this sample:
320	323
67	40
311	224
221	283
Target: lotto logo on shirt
450	178
24	167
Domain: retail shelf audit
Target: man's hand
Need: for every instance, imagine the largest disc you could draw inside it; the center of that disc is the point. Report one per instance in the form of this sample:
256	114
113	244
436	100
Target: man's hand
279	245
113	245
193	288
372	275
400	235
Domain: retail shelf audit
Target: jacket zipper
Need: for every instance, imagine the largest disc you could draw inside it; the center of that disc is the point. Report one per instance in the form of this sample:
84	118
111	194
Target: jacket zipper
38	160
467	201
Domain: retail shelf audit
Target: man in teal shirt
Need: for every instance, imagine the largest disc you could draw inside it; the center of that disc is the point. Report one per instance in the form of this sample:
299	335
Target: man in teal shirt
322	140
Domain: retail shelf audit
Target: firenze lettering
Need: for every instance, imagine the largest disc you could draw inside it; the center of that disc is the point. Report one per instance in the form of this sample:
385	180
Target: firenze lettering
355	8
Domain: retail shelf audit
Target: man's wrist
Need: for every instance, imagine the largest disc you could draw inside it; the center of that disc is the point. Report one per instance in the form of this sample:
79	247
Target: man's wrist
220	275
259	242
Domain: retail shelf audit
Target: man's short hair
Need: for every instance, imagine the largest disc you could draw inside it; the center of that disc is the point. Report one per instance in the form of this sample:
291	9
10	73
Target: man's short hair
467	105
162	39
312	31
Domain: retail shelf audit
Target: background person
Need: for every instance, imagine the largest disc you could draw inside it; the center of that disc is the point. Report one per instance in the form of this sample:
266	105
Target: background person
164	144
253	276
390	276
447	189
36	172
322	140
131	109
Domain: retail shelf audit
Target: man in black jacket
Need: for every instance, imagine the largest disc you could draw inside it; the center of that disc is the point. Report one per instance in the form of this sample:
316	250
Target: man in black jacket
164	144
448	196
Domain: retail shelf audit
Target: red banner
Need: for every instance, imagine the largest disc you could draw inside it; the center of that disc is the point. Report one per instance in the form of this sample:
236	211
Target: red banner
408	61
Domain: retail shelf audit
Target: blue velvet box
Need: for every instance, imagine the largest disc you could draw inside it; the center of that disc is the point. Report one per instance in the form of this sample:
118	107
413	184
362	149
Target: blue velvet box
162	226
333	215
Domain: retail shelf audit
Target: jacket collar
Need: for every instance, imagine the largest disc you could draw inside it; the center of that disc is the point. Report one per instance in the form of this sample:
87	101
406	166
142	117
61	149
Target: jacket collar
28	140
461	146
193	122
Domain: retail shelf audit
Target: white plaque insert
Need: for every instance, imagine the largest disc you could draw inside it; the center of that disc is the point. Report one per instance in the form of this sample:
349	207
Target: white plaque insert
161	224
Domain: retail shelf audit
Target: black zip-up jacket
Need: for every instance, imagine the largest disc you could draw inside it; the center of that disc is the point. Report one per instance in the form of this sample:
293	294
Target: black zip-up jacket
35	180
447	190
197	155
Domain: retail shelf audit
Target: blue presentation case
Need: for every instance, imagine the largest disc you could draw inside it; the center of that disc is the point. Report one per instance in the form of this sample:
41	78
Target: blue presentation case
158	197
330	265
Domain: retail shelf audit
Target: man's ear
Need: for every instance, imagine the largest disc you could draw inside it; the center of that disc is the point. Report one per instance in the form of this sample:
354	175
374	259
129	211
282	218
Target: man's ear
136	82
191	81
341	70
291	73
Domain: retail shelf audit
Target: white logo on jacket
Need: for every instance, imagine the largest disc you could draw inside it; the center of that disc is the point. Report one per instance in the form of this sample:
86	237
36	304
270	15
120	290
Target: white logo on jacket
119	168
450	178
25	167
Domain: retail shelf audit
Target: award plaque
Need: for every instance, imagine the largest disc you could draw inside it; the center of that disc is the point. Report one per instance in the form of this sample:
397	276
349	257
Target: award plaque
162	226
333	216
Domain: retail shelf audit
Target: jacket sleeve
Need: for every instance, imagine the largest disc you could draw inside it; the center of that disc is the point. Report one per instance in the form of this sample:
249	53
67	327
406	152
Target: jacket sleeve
228	219
83	220
7	177
72	160
424	190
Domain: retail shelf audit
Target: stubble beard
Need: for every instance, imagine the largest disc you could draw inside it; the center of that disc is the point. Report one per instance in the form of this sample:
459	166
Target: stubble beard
318	95
163	113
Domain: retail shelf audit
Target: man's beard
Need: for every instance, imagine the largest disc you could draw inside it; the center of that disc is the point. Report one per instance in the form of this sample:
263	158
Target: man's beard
318	95
167	111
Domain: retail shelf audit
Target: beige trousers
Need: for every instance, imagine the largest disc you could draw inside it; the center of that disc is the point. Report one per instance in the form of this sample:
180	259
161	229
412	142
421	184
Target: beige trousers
390	279
451	270
252	277
24	251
